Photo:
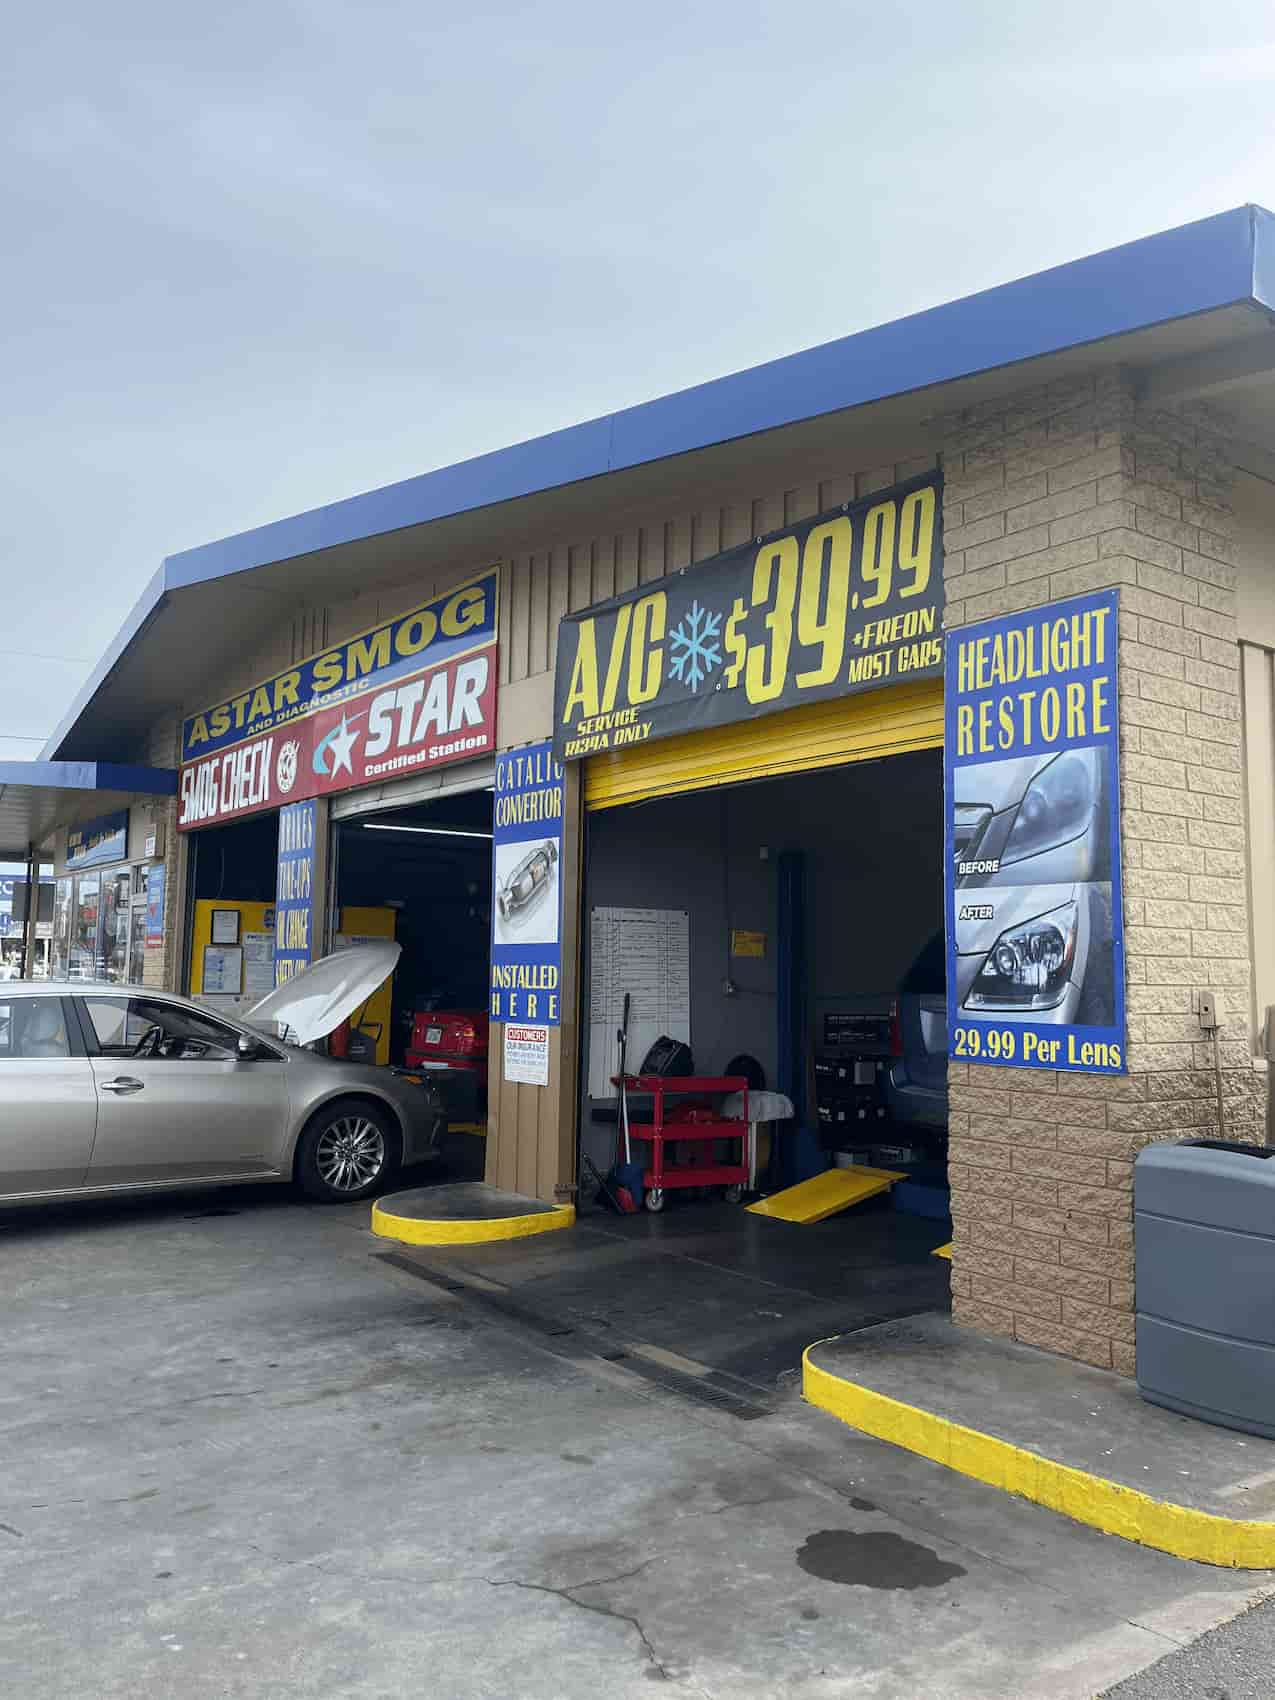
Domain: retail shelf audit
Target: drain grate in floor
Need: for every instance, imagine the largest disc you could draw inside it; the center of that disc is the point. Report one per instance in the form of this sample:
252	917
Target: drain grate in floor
707	1390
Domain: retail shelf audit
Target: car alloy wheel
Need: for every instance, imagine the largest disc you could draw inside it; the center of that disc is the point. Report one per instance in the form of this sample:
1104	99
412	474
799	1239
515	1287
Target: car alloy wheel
350	1153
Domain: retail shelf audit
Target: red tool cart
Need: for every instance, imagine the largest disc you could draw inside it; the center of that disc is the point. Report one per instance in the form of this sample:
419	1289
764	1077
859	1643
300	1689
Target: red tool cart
695	1127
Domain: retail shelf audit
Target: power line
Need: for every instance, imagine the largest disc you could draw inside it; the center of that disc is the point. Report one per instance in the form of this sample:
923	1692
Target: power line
36	655
23	737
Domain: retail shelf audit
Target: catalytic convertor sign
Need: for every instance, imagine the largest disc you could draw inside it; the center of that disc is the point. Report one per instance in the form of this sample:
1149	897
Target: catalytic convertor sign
526	907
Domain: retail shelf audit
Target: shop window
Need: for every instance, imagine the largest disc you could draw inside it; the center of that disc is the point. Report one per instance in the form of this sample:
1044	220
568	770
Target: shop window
31	1028
99	926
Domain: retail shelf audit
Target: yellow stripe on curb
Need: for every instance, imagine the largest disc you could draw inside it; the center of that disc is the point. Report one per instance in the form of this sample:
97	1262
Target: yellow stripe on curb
1236	1543
442	1230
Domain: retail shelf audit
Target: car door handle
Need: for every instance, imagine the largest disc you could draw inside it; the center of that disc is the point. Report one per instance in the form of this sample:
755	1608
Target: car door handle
123	1083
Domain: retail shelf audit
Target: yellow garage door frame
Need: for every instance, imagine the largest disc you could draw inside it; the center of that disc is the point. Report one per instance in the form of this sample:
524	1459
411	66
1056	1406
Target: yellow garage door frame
832	733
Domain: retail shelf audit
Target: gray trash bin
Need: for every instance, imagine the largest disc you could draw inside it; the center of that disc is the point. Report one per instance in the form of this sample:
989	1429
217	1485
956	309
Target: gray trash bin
1204	1220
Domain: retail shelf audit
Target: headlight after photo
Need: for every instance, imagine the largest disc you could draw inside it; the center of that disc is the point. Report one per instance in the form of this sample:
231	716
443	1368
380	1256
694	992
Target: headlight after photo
1037	952
1028	967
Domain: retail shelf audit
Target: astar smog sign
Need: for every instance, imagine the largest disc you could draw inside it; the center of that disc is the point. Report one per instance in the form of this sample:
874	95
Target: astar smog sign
849	601
1035	927
413	693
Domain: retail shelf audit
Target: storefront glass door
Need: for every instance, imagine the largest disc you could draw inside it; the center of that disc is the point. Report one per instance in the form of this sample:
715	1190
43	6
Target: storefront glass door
62	913
137	945
84	935
115	920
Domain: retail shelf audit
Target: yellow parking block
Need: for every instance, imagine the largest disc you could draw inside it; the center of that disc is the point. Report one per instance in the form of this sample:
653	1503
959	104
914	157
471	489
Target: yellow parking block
823	1195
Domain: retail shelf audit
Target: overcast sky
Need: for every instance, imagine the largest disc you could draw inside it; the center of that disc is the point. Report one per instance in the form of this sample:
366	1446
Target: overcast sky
259	256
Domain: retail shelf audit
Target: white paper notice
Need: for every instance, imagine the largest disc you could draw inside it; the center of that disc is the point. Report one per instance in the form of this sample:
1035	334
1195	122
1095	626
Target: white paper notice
526	1054
223	969
258	964
646	953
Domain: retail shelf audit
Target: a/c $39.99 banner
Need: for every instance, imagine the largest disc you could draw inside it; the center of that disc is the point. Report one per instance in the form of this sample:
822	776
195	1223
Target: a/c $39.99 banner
1035	945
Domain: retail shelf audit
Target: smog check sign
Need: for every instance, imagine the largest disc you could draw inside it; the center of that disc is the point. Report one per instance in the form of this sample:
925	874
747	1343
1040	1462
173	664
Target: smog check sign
413	693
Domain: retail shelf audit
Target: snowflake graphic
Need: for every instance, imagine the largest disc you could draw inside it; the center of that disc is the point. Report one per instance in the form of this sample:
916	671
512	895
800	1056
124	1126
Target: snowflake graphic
695	648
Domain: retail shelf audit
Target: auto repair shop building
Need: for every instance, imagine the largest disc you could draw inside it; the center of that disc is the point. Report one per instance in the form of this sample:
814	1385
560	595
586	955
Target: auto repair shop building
1108	426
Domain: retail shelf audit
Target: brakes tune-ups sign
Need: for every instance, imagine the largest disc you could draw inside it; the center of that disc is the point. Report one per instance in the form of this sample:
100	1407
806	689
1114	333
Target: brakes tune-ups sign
294	890
1035	929
849	601
413	693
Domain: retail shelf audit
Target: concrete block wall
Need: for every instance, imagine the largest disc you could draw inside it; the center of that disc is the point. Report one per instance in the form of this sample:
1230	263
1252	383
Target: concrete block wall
1054	492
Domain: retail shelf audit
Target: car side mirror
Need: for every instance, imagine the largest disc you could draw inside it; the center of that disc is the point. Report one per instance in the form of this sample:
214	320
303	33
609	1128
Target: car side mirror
247	1049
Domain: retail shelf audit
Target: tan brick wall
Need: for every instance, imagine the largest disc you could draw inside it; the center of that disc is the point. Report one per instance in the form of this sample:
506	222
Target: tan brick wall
1061	490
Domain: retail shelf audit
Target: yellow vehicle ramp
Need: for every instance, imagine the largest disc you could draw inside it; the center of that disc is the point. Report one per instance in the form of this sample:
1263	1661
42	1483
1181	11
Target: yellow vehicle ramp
823	1195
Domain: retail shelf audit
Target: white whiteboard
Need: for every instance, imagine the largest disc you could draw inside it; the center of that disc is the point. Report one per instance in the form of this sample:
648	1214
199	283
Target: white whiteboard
646	953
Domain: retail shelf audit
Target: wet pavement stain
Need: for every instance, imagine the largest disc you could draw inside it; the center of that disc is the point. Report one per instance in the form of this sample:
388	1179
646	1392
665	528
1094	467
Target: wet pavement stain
876	1560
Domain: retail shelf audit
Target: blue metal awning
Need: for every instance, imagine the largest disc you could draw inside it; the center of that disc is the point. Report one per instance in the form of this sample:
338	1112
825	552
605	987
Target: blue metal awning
34	795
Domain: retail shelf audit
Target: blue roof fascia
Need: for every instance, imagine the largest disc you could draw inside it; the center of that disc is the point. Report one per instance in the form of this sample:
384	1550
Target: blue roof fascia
1215	262
89	776
137	617
1169	276
1263	289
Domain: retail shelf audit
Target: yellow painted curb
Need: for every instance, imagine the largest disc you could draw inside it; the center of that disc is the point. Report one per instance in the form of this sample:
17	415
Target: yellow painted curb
1235	1543
424	1230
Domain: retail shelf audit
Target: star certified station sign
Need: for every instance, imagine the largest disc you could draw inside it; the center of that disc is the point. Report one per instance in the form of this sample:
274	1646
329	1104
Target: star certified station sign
414	693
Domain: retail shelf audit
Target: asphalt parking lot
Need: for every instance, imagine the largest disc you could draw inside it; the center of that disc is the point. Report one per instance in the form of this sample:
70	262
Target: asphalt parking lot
245	1456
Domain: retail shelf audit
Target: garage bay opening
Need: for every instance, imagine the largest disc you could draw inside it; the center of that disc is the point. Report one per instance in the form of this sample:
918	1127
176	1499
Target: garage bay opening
421	875
231	925
783	935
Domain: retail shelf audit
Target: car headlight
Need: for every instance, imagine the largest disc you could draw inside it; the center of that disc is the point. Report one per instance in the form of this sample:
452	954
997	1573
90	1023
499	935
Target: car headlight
1029	966
1057	806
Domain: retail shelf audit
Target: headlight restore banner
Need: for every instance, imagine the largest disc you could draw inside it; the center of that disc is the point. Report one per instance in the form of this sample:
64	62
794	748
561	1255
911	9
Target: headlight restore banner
1035	920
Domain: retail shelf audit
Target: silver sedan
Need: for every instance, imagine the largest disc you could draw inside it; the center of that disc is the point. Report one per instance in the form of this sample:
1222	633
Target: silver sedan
108	1089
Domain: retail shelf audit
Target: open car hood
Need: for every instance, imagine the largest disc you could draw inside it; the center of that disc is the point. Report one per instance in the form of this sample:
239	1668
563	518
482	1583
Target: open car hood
318	999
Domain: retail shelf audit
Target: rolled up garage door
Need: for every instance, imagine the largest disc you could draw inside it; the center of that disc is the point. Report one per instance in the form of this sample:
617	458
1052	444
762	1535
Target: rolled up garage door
864	727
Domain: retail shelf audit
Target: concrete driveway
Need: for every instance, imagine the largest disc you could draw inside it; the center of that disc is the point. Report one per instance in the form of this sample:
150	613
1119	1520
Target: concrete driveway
241	1455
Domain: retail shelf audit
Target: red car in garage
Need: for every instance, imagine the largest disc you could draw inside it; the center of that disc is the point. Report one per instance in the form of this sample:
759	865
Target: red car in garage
452	1045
